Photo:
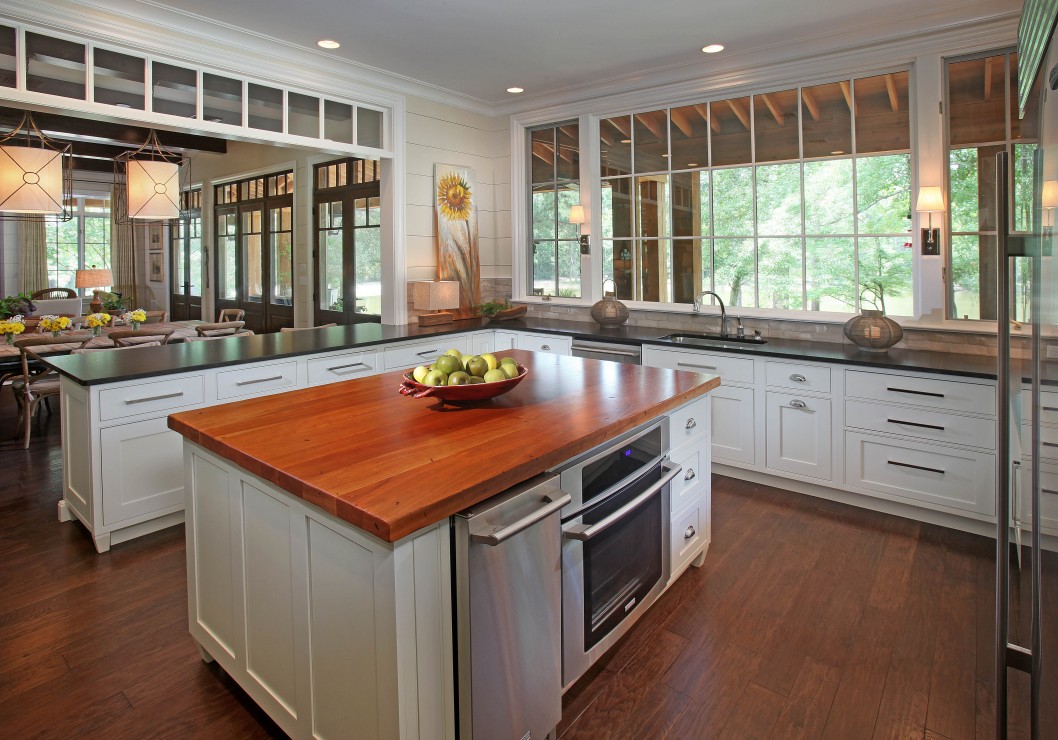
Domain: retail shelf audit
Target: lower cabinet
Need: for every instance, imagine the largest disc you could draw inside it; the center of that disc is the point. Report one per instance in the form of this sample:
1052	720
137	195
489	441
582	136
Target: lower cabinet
799	435
143	470
733	425
690	493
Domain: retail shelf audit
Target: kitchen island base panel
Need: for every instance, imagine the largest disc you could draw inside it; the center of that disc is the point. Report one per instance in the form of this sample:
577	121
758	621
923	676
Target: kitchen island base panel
326	627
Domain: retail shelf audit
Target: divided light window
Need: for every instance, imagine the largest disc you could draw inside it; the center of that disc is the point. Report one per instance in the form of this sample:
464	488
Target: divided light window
793	199
554	156
983	119
83	241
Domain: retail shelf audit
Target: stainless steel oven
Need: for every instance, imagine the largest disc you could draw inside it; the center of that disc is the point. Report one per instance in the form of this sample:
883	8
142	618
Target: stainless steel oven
615	533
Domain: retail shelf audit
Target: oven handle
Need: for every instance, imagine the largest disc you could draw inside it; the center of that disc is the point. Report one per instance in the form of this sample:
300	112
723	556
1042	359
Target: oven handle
584	534
494	538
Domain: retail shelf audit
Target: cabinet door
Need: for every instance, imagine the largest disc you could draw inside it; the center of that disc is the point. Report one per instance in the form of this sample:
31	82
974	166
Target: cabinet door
732	425
482	342
545	343
505	340
798	437
143	470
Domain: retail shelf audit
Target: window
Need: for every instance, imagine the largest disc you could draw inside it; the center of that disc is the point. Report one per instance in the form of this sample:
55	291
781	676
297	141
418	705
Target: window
983	120
794	200
554	154
83	241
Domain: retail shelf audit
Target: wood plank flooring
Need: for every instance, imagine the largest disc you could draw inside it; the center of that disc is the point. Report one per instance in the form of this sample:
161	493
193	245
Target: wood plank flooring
809	620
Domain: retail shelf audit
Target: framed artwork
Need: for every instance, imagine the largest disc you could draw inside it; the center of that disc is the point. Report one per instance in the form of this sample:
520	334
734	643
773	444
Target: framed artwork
157	269
155	237
457	234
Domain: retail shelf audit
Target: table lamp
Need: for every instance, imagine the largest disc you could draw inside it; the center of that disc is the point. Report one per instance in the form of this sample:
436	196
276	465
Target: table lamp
96	279
435	295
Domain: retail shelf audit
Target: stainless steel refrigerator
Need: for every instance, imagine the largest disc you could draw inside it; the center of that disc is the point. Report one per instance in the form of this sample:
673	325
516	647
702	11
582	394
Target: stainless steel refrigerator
1026	645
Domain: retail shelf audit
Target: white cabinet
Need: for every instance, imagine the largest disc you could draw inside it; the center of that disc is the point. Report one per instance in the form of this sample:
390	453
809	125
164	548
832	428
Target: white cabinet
143	471
554	344
799	435
406	355
336	366
482	342
690	493
505	340
257	380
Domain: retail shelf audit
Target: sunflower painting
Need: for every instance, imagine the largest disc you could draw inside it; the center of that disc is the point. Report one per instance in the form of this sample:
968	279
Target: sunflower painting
457	233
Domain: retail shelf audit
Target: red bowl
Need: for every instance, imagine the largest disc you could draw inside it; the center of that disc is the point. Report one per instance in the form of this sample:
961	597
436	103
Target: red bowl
460	393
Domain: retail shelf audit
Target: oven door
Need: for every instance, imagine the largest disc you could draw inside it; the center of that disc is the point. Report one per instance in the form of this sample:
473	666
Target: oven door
615	563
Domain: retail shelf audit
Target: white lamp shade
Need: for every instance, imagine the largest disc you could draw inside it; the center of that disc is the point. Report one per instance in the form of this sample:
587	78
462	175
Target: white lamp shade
100	277
930	198
30	180
435	295
576	214
1049	197
154	189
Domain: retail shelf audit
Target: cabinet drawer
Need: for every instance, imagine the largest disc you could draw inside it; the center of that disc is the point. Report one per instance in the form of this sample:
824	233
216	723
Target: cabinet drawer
730	368
689	421
407	355
798	377
343	366
687	537
687	487
256	380
152	397
1048	442
544	343
923	423
947	395
1048	405
921	474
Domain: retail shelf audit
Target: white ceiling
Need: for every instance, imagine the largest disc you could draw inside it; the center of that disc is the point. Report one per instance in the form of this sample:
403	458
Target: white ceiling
479	48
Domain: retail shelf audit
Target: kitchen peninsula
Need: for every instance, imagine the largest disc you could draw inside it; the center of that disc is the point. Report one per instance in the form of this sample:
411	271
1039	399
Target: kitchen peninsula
319	571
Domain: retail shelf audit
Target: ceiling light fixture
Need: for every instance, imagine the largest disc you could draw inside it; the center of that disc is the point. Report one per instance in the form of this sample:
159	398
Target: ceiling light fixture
150	180
626	141
692	164
327	44
515	90
36	177
713	48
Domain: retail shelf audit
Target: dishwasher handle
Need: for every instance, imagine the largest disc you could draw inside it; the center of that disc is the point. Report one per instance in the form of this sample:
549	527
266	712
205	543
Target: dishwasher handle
495	538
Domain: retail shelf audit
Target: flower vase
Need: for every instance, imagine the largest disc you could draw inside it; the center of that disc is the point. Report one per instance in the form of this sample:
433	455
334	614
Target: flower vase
10	338
97	331
55	333
135	325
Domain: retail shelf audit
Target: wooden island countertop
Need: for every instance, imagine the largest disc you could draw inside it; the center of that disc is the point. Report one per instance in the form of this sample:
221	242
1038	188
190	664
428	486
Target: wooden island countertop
391	465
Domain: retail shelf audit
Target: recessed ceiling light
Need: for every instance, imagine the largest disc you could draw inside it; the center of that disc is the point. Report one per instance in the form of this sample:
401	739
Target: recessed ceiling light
666	156
837	151
626	141
327	44
515	90
713	48
692	164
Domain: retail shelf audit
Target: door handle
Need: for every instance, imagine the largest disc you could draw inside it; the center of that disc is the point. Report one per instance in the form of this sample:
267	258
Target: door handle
584	534
798	404
798	378
524	523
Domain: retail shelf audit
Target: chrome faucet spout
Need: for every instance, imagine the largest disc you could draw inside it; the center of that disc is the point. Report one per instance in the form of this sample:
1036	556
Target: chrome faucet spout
723	311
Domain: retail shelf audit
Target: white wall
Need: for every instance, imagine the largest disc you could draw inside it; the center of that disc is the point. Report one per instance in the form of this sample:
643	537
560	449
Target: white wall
10	266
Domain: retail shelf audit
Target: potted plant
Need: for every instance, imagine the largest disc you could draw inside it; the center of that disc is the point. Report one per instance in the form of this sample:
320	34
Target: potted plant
16	305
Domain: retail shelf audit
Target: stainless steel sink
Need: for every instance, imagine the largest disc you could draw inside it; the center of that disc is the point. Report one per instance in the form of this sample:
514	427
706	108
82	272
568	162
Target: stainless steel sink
707	339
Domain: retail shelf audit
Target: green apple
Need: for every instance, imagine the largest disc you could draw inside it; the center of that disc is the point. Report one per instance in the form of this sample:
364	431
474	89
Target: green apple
475	379
478	366
449	364
491	359
466	359
419	373
508	361
508	369
435	377
454	353
493	376
458	378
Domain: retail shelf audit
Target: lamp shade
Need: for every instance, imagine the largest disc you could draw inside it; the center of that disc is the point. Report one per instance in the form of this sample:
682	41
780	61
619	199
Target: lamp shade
31	180
930	198
1049	197
154	189
94	278
576	214
435	295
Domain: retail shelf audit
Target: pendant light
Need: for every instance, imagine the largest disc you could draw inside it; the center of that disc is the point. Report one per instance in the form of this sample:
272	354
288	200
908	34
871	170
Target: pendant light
153	179
36	174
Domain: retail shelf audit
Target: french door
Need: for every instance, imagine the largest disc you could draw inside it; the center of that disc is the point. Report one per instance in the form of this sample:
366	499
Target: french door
185	241
348	253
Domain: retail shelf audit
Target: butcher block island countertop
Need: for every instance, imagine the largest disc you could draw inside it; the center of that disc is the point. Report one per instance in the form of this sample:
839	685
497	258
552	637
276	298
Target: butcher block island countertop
390	464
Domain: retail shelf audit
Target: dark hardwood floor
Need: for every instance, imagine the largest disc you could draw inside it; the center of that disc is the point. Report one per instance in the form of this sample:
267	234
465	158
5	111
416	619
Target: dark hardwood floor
809	619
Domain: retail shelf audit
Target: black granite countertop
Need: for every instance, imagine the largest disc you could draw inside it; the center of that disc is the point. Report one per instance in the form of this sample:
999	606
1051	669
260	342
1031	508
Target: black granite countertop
105	367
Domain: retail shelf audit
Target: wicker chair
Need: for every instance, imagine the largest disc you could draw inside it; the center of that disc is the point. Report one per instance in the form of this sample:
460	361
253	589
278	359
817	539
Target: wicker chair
222	329
93	350
140	337
231	314
156	317
34	387
49	293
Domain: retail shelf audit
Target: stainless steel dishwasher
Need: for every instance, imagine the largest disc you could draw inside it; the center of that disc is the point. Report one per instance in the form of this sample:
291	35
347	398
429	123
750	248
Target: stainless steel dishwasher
508	594
630	354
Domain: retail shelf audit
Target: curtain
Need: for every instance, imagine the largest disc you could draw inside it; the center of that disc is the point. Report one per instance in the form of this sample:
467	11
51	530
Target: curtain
34	273
122	247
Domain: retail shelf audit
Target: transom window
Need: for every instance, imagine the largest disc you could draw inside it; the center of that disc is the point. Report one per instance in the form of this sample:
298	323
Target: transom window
794	199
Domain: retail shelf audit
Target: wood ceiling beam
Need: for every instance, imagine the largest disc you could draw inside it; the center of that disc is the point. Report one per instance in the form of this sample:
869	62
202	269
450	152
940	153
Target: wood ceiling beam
703	111
683	122
810	103
544	152
653	126
621	123
890	87
988	79
739	109
847	92
773	108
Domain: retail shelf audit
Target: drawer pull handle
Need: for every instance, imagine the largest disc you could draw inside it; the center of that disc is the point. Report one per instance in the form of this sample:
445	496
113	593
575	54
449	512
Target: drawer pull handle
798	404
1049	444
798	378
700	367
916	424
915	467
130	401
691	423
259	380
427	352
346	367
689	532
690	474
545	347
1048	490
916	393
1049	408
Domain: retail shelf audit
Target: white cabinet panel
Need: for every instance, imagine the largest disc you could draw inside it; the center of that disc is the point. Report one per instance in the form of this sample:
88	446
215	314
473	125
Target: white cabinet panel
544	343
688	536
798	437
921	422
406	355
798	376
939	393
143	470
732	425
257	380
689	421
152	397
687	486
342	366
505	340
211	583
730	368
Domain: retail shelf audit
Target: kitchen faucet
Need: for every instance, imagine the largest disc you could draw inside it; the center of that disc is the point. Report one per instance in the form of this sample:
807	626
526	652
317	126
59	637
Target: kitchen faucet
723	311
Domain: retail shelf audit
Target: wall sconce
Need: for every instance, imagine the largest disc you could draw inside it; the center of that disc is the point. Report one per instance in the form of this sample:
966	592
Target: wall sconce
35	180
153	177
1049	201
930	199
435	295
576	216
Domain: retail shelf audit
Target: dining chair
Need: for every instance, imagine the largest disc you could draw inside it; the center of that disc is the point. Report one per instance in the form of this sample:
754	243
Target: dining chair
49	293
37	385
156	317
304	328
139	337
92	350
231	314
222	329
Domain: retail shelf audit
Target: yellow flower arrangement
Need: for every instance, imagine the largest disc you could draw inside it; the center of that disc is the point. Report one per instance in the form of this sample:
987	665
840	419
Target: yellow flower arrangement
454	198
134	318
10	327
97	320
54	324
